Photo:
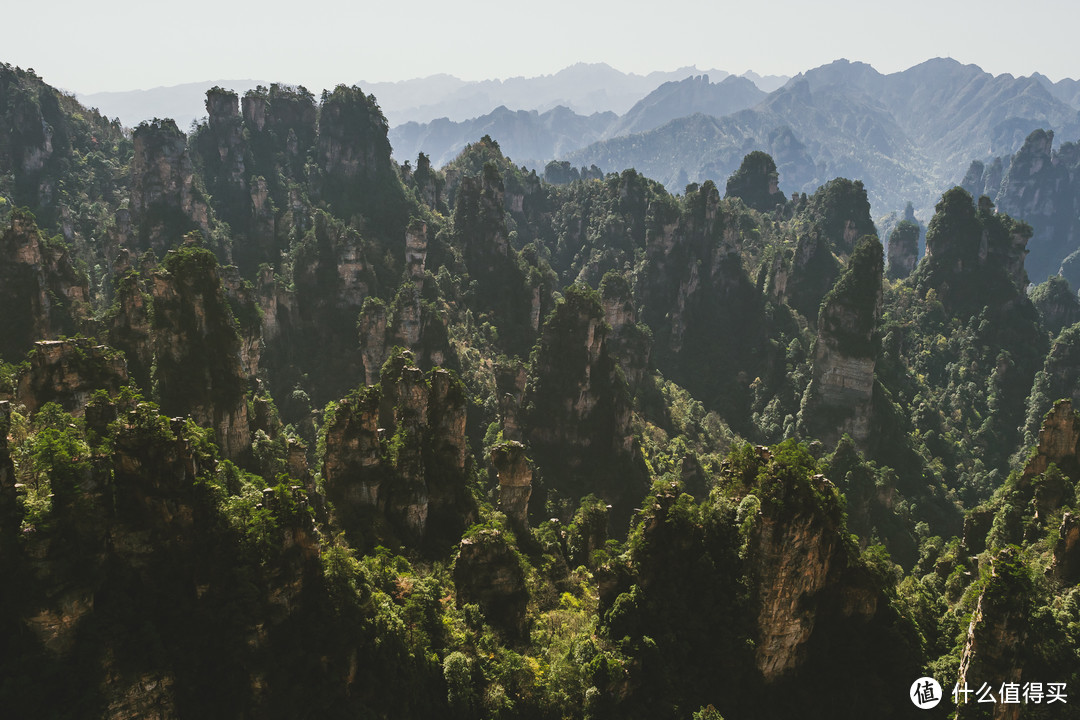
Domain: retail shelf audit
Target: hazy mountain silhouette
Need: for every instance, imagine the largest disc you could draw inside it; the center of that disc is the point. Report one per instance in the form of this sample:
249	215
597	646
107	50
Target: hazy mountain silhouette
907	135
526	136
183	103
694	94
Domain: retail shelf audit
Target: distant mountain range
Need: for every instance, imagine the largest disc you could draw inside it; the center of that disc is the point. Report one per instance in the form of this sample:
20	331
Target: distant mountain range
528	137
907	135
532	138
183	103
585	88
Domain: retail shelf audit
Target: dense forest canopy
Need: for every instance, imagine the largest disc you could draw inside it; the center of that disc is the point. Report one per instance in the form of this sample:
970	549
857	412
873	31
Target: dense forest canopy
289	428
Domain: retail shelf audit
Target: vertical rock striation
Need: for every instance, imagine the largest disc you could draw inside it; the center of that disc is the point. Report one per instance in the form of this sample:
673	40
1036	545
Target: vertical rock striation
197	350
41	293
396	452
839	398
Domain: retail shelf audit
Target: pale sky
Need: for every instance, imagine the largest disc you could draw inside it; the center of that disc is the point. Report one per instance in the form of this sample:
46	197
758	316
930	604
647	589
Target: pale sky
125	45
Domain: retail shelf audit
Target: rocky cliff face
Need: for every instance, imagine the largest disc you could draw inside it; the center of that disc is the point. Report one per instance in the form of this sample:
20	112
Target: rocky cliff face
285	115
1059	443
839	398
815	604
133	555
812	608
996	637
31	144
1040	187
630	343
478	216
903	250
756	182
428	184
510	382
197	351
353	156
226	134
1033	500
800	564
696	296
504	287
243	301
334	274
841	210
41	292
349	145
1058	379
1066	565
68	371
812	270
128	329
487	572
165	201
408	322
396	451
250	161
515	481
57	158
579	408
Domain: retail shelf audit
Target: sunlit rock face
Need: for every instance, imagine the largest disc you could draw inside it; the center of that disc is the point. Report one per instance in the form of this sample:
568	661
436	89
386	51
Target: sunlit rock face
839	398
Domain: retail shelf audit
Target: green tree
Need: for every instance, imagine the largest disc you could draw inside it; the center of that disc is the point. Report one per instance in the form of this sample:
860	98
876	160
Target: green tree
756	182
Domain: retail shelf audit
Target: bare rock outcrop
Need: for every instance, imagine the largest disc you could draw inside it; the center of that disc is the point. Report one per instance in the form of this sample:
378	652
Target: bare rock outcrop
41	293
801	571
488	572
1059	443
578	424
128	328
996	637
165	200
631	343
197	350
839	398
397	451
68	371
515	481
903	249
1066	565
1040	187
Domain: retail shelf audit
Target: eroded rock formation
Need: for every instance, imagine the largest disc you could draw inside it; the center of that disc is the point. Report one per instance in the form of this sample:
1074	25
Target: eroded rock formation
903	250
579	407
397	451
803	577
41	293
68	371
1059	443
631	343
839	398
488	572
197	351
1040	187
165	201
515	481
995	645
